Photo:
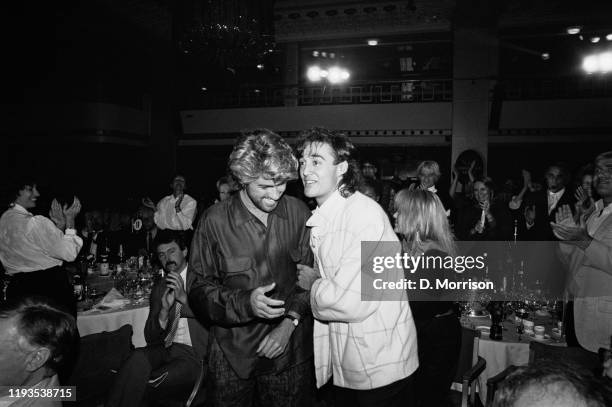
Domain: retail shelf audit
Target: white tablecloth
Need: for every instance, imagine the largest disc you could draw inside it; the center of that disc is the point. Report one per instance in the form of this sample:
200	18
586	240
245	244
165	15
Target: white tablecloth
91	323
499	355
502	354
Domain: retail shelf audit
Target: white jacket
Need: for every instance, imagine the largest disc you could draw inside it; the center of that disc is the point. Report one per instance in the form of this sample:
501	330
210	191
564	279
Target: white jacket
365	344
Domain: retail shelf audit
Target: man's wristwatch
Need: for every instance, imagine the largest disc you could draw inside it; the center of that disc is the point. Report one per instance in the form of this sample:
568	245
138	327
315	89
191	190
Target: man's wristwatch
294	320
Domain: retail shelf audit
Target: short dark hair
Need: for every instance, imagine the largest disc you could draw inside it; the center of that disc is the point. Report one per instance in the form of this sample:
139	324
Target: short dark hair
343	149
166	236
43	323
565	175
16	183
548	377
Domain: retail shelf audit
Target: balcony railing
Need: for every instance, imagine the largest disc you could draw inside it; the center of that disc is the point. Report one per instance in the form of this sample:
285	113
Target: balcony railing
408	91
567	87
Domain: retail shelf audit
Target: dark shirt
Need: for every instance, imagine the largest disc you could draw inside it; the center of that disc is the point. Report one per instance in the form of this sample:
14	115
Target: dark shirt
427	304
468	216
233	253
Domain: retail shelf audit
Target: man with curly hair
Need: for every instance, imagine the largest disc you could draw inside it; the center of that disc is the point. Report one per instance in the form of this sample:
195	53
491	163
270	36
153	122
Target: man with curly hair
244	254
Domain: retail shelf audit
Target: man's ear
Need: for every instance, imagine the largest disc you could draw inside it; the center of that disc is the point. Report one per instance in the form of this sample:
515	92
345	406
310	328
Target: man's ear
37	359
185	252
342	168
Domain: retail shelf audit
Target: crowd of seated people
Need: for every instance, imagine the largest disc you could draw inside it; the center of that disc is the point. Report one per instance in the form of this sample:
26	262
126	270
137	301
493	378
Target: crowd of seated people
570	209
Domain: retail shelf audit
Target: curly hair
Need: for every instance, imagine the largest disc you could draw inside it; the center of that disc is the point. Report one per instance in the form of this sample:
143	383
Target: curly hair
343	150
262	153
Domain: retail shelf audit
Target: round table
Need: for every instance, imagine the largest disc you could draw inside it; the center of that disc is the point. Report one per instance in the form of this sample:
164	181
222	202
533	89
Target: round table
511	350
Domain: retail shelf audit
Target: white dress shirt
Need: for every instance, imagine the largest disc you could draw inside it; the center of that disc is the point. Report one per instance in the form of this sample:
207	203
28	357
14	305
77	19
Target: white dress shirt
166	216
553	199
598	216
32	243
182	332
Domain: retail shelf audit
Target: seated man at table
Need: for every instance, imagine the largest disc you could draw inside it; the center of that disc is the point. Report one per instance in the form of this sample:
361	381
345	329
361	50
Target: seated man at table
169	365
37	339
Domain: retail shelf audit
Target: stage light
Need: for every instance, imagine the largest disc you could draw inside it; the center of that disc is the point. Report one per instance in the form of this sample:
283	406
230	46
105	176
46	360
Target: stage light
573	30
609	37
335	75
605	62
313	74
372	42
204	88
260	67
545	56
595	40
315	54
590	64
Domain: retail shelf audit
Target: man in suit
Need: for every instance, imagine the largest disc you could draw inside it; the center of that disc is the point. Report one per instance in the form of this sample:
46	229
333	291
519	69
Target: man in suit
169	365
587	250
541	206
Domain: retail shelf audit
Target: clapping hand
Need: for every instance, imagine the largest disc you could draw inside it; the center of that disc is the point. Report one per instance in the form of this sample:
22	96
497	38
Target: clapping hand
56	214
471	171
70	212
175	283
567	228
148	203
168	298
485	206
530	214
584	202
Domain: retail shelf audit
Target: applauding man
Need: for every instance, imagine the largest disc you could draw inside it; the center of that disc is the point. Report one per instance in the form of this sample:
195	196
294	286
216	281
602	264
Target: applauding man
175	211
176	342
245	253
586	247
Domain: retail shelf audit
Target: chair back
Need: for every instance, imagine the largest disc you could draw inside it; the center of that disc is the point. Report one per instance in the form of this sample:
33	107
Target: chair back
468	355
573	355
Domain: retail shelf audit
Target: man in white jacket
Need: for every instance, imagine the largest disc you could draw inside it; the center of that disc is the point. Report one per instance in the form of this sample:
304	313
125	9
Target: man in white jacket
362	338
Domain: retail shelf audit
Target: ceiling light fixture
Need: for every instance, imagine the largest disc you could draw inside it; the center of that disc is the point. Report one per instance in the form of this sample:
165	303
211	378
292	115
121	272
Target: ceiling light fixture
573	30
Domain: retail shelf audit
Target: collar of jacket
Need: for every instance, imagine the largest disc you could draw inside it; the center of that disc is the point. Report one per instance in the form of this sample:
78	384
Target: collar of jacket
242	215
322	214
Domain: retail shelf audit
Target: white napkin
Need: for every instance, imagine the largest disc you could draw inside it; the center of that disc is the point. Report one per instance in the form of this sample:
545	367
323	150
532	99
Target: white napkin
113	299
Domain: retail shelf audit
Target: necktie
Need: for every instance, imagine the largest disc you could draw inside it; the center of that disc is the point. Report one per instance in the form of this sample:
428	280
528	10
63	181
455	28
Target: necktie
173	324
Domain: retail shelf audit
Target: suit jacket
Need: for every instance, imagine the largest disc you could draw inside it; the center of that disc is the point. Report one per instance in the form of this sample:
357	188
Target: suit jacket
155	334
591	285
541	229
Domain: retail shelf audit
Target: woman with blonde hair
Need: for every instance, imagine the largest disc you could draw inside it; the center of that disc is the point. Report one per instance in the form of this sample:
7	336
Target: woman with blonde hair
422	222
